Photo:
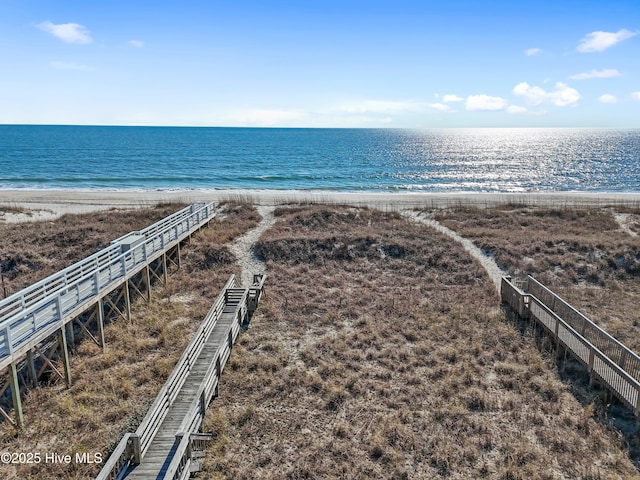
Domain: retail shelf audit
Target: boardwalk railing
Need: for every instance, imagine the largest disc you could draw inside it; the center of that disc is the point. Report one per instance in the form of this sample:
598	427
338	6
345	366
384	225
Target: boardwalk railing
606	359
30	317
133	446
32	314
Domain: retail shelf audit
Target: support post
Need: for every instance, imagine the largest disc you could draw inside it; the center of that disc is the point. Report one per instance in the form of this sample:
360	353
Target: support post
70	335
148	282
31	370
100	321
179	256
164	267
127	300
15	394
64	350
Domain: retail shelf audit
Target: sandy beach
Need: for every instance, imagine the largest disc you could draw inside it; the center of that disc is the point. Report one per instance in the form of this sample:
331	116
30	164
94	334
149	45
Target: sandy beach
49	204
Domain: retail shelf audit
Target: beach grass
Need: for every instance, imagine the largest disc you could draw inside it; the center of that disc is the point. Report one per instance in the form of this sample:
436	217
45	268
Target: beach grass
589	256
379	351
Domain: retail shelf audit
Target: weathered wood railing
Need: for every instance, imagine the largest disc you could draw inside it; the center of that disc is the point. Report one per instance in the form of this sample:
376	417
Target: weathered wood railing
607	344
130	451
29	317
181	464
133	446
605	358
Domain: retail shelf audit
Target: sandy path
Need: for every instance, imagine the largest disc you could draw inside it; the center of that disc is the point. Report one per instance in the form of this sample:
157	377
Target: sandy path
624	219
242	247
492	268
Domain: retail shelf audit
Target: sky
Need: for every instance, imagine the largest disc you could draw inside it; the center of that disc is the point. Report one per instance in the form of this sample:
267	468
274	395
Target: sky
308	63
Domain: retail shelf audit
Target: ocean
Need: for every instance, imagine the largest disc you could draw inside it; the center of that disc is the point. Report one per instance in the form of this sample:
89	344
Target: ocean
361	160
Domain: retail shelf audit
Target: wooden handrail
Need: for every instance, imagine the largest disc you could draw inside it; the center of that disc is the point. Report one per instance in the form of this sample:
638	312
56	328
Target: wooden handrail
589	343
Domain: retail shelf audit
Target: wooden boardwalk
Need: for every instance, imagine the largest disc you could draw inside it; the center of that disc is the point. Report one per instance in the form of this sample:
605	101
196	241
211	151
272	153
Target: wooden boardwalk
160	453
167	443
606	359
39	324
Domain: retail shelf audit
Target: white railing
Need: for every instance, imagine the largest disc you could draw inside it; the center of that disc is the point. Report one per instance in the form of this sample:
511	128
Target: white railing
31	315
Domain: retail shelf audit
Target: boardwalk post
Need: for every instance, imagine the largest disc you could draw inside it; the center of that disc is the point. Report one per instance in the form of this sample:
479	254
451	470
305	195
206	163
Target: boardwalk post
136	450
100	319
31	369
203	404
591	358
148	282
127	300
179	256
65	356
15	394
164	267
70	334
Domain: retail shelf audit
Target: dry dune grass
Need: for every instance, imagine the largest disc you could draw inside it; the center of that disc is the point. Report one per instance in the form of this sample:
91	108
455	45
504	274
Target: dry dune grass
380	352
32	251
583	254
111	391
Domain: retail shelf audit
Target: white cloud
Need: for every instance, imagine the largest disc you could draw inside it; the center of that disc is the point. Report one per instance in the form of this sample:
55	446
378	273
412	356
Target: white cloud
452	98
532	51
636	96
608	98
608	73
485	103
67	32
441	107
136	43
600	41
516	109
534	95
71	66
562	96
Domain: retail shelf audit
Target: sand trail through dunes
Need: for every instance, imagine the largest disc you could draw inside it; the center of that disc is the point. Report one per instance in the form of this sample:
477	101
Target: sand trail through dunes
242	247
493	270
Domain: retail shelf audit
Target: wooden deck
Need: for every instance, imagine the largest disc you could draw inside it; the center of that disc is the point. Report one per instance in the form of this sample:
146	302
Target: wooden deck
167	443
155	462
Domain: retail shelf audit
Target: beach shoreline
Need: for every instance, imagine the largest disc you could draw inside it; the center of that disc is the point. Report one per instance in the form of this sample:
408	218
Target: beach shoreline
50	204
